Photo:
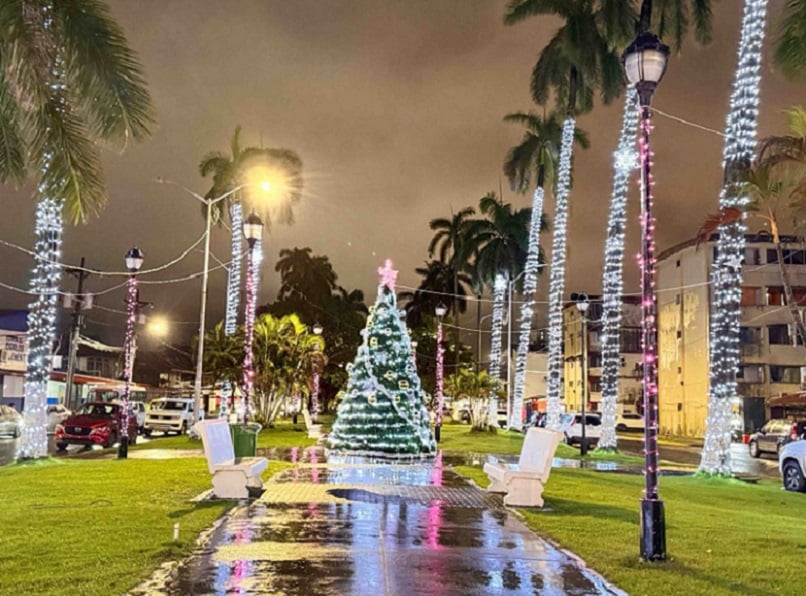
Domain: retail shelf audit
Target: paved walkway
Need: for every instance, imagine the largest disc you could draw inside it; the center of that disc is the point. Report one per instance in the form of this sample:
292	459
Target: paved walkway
347	528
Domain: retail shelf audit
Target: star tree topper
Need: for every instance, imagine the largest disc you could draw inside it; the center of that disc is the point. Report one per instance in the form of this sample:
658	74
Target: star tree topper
388	275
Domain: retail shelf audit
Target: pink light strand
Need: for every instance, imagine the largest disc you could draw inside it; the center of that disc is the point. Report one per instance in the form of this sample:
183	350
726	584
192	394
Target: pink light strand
249	324
440	374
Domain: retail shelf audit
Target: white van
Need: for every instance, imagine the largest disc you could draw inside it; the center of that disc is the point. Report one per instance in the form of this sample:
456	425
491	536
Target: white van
169	414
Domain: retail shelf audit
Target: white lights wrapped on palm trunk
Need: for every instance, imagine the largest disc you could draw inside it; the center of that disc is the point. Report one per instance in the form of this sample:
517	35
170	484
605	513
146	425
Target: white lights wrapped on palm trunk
740	145
499	293
557	279
527	307
625	160
233	294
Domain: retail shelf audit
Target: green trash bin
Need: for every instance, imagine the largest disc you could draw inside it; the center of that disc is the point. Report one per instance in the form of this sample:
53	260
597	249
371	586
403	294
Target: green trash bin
244	439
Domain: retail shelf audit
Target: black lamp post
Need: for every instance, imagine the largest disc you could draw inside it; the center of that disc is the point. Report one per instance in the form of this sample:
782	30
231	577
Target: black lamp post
134	261
582	306
252	230
644	64
441	310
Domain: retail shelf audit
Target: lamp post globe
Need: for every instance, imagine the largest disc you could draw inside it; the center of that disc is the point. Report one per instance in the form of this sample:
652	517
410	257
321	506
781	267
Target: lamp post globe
134	259
252	229
645	63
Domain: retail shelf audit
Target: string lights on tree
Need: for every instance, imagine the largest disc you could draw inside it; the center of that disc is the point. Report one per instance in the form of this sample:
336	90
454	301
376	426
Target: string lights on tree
317	331
441	310
134	260
33	442
527	306
738	152
233	296
499	290
557	277
625	160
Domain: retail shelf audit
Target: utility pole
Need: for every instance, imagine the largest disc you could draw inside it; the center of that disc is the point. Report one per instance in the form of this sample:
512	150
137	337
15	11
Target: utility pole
78	319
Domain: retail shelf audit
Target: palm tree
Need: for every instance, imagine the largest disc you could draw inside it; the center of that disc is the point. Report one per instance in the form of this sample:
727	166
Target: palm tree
68	82
223	355
790	49
475	387
439	281
304	275
579	59
451	235
671	20
538	151
738	153
501	245
230	172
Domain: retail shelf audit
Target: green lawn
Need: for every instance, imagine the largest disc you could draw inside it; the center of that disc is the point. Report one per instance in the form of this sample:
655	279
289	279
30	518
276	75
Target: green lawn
88	527
284	434
723	536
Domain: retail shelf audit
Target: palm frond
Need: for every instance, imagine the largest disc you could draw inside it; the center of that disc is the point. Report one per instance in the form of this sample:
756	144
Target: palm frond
790	46
725	216
104	73
518	10
703	18
215	161
12	144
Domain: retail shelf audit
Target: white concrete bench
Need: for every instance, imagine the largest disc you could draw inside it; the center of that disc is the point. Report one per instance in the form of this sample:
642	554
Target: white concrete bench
314	430
523	482
232	477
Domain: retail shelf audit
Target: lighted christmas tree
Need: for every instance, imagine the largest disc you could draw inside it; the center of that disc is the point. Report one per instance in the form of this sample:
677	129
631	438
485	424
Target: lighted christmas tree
383	409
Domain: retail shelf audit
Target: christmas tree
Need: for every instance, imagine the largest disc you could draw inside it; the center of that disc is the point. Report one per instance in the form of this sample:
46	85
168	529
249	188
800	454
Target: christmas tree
383	409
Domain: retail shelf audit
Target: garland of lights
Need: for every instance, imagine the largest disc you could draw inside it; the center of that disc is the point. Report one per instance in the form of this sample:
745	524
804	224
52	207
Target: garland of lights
557	279
527	307
33	442
499	291
649	326
128	352
740	145
249	325
440	374
233	294
624	162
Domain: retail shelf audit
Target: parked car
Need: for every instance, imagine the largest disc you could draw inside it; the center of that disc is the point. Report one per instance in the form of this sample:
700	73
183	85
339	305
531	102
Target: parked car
571	427
56	415
96	423
169	414
629	421
774	435
792	463
501	418
10	422
138	410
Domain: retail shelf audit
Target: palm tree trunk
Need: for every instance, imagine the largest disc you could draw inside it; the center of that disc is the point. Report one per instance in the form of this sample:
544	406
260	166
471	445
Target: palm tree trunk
526	310
499	296
740	145
33	442
478	332
557	279
233	292
613	273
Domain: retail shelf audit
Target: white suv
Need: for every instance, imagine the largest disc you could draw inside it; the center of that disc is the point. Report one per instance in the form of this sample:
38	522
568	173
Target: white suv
629	421
792	462
571	426
169	414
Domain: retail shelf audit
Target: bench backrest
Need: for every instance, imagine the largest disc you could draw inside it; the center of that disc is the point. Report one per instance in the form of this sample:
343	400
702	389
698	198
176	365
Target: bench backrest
307	416
538	450
217	442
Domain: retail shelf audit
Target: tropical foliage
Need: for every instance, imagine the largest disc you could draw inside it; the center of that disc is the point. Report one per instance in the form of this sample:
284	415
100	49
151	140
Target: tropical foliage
475	388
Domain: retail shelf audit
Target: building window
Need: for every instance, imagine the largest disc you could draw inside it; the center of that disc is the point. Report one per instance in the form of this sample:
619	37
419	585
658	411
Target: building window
779	335
594	384
775	296
752	256
631	340
595	360
785	374
772	255
750	296
95	366
794	257
750	335
750	373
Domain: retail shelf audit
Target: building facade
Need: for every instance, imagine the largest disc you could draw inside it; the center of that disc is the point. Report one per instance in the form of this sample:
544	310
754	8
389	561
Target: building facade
772	359
629	395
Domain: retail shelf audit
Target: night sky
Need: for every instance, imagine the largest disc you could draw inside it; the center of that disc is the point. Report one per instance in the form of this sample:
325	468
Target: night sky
396	110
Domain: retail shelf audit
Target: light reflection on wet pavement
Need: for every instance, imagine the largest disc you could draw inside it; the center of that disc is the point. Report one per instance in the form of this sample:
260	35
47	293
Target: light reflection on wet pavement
343	527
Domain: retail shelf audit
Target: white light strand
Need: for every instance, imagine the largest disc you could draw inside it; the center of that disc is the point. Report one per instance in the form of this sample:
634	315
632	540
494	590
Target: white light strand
499	292
557	277
33	442
233	294
132	299
726	272
624	162
527	308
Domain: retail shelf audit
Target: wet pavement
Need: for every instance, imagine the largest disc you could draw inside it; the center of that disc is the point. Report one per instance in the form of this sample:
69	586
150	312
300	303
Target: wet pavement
343	527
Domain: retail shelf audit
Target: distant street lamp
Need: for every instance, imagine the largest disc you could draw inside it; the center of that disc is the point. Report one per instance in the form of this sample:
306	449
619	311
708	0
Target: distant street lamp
645	62
317	331
134	261
441	310
583	304
252	230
